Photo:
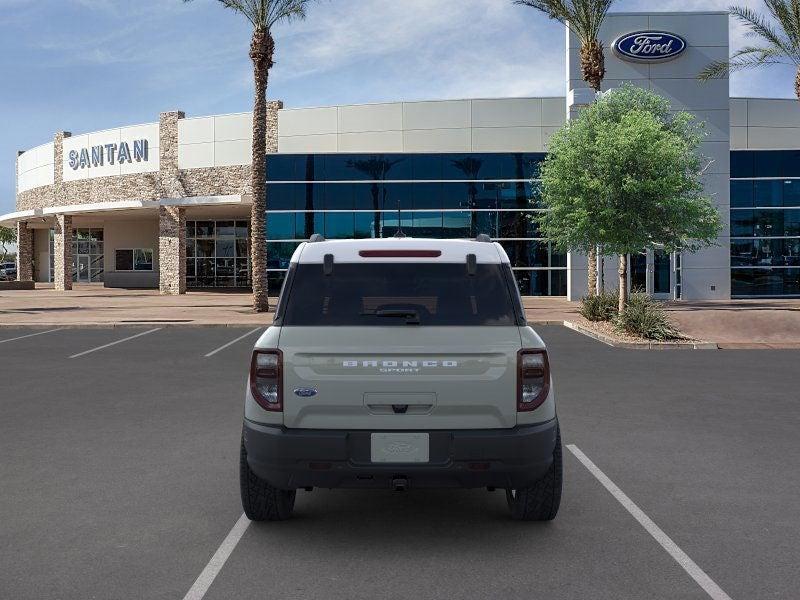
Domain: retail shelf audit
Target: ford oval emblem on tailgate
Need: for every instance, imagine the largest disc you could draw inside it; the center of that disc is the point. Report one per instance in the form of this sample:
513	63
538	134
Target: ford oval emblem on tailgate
305	392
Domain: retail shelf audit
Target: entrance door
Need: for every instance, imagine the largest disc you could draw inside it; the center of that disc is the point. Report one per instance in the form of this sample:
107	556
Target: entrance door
662	269
83	268
638	269
650	272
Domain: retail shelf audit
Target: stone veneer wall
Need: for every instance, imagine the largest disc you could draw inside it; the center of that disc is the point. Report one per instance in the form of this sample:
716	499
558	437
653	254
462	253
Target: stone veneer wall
24	252
62	251
169	182
172	250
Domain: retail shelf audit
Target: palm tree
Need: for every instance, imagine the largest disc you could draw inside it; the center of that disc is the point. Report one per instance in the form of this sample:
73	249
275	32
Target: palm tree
584	19
780	41
376	168
263	15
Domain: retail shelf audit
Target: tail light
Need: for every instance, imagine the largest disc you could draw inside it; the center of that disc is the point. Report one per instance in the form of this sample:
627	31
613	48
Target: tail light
533	379
266	385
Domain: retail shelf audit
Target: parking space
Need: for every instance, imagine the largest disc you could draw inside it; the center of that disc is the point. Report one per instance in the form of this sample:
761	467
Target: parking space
119	480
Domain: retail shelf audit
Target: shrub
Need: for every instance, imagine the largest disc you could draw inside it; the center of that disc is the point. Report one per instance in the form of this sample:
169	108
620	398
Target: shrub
645	318
601	307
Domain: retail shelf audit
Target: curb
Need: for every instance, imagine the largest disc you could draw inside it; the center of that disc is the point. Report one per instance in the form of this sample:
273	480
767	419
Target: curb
640	345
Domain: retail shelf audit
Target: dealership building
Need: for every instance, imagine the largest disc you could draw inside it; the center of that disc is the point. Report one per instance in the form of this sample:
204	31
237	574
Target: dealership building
167	204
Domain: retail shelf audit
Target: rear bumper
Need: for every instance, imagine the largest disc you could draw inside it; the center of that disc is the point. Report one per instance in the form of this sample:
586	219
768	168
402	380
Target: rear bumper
503	458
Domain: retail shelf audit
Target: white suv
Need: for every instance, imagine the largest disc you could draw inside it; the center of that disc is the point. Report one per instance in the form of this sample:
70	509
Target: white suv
400	363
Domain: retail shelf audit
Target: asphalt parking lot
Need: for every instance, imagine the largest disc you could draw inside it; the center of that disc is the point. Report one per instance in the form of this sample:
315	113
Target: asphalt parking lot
119	479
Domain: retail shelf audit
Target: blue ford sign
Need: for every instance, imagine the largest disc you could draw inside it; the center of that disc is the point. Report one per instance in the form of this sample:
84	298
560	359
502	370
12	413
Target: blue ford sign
649	46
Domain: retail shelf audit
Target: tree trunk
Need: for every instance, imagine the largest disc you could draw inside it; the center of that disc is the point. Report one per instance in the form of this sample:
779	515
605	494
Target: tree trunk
601	276
797	84
623	282
593	70
592	272
593	64
262	47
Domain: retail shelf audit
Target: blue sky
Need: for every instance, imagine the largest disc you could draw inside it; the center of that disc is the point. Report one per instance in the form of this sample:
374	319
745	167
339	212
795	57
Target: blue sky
84	65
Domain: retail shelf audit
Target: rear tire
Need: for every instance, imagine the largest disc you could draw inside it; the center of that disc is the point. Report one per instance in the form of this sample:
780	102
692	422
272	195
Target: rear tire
540	501
261	501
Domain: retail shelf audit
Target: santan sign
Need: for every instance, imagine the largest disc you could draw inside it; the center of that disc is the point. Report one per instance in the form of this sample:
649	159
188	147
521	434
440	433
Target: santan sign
649	46
97	156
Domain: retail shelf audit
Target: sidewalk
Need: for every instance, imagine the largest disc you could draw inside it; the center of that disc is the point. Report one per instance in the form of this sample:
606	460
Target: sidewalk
89	305
733	324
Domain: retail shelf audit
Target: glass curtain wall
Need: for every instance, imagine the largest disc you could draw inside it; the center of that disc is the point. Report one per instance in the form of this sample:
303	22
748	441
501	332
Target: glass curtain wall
217	254
765	223
426	195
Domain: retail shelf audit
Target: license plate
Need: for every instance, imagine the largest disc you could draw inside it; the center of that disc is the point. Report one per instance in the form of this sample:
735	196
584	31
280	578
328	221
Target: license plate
400	447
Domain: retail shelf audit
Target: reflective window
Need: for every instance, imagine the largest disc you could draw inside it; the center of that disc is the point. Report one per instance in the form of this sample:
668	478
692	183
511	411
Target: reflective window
457	195
218	252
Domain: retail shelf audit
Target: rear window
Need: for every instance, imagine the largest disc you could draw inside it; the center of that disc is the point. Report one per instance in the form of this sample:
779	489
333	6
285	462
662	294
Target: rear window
401	294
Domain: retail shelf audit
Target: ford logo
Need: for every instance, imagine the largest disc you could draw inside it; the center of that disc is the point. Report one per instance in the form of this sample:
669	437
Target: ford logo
305	392
649	46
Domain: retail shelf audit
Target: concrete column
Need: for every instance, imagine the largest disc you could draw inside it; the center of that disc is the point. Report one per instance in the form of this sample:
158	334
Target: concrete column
24	252
172	250
62	250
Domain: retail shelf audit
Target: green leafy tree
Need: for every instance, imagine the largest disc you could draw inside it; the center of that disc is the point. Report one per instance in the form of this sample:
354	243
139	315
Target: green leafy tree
626	174
778	40
8	236
584	19
263	15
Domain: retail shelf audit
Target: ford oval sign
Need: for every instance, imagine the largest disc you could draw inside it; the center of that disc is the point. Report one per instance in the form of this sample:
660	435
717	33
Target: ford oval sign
649	46
305	392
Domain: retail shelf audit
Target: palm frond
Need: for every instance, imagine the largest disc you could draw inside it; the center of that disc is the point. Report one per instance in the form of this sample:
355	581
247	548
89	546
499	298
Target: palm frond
263	14
583	17
746	58
759	26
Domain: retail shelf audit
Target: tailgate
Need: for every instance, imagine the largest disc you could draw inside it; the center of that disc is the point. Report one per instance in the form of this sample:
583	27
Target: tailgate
400	377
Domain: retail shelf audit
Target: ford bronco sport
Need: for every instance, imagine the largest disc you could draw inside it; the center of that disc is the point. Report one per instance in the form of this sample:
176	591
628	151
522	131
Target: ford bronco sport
400	363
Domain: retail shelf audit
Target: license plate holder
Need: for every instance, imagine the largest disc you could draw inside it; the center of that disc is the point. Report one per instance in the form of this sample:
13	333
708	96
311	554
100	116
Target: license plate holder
400	447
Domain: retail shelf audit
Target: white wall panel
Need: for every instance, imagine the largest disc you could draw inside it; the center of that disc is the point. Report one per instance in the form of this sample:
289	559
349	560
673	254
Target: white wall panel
444	114
299	144
371	141
308	121
554	111
773	113
717	124
234	152
739	138
738	108
691	94
437	140
507	112
233	127
195	156
766	138
370	117
709	29
196	131
507	139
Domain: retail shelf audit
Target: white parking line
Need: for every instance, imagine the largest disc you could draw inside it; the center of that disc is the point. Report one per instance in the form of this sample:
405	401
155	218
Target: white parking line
214	566
695	572
115	343
22	337
232	342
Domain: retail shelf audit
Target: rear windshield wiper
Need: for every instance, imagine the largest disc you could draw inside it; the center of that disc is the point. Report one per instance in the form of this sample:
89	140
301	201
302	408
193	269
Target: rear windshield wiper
411	316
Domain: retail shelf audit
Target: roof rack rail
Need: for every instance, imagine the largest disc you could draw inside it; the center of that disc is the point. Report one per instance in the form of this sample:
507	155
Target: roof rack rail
316	237
482	237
